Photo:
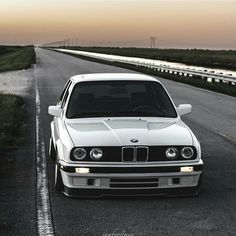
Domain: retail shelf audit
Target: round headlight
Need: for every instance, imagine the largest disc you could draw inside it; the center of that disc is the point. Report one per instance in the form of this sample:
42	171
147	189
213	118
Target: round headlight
187	152
79	153
172	153
96	154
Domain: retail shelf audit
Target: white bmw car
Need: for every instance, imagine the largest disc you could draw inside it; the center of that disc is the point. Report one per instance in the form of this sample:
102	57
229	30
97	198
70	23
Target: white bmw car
121	134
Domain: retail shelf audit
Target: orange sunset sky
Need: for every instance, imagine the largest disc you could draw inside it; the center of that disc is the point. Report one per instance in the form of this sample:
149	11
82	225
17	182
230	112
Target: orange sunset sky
174	23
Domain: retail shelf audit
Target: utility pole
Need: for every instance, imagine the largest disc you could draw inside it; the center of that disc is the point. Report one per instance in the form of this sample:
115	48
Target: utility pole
153	42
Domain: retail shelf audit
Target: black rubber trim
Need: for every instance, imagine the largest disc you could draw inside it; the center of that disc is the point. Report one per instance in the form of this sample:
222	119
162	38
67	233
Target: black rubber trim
146	169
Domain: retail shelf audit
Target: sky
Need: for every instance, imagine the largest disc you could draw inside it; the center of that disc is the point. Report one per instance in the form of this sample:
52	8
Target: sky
174	23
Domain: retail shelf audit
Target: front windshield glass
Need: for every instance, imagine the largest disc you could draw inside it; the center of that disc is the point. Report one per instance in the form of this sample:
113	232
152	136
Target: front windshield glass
119	99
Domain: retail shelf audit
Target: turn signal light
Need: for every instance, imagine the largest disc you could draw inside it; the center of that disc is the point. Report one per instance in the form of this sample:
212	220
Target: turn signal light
186	169
82	170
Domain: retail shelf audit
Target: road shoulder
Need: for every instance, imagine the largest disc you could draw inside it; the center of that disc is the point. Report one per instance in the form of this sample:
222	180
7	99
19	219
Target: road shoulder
18	177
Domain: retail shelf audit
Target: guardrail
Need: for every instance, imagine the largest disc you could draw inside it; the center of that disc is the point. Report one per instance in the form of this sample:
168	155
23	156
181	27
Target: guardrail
184	72
209	76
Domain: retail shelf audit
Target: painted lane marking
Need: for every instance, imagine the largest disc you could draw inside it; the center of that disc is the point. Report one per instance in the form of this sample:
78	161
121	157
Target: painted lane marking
44	216
228	138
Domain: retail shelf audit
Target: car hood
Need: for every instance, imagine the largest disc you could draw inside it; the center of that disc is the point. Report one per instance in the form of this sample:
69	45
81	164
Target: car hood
120	132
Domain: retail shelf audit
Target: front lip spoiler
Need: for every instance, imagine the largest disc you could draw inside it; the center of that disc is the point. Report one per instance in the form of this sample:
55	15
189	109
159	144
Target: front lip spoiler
98	193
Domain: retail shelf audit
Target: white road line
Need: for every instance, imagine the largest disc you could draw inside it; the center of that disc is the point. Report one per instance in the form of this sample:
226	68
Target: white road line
44	217
230	139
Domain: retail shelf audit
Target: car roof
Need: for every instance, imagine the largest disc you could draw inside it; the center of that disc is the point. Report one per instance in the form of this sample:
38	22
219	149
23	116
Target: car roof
112	76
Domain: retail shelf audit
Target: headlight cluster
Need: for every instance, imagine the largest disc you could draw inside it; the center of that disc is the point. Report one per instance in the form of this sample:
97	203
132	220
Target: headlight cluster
79	153
173	153
95	153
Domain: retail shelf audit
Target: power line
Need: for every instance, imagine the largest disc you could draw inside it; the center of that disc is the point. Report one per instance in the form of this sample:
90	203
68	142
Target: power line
76	42
153	42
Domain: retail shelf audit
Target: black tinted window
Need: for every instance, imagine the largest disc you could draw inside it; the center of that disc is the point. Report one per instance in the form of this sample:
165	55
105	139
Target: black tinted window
119	98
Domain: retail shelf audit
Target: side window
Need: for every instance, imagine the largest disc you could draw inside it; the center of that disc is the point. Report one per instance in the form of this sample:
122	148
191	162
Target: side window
64	91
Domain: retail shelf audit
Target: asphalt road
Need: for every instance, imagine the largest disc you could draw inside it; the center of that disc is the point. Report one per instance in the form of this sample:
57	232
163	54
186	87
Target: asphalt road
213	120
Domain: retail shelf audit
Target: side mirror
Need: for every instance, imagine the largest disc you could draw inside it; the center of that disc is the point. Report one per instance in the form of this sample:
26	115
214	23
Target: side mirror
55	110
184	109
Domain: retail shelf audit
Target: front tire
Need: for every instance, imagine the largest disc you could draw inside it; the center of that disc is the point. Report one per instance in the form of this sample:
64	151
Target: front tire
58	179
198	188
52	151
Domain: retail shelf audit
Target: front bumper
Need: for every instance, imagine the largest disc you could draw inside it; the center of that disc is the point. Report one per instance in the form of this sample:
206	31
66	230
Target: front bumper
146	179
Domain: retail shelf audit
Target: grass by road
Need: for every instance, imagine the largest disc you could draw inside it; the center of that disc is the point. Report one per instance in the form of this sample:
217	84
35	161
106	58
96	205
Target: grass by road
222	59
12	114
16	57
12	117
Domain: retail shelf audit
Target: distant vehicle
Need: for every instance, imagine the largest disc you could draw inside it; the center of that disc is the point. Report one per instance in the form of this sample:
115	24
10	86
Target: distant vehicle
121	134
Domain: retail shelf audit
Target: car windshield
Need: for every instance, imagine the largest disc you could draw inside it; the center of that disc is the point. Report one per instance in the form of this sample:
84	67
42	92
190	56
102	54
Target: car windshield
119	99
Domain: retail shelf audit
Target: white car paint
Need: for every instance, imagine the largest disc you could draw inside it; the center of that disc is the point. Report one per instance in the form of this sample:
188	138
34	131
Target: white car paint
118	131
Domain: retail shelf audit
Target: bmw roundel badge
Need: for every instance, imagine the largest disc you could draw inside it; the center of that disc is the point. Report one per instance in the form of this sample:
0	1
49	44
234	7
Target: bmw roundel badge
134	140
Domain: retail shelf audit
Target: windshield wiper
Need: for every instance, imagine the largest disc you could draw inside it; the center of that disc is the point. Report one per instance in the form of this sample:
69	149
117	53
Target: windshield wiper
90	114
142	113
123	113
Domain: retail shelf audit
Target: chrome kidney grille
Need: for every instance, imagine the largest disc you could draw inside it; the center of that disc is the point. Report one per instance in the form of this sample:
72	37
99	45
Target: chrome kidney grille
135	154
